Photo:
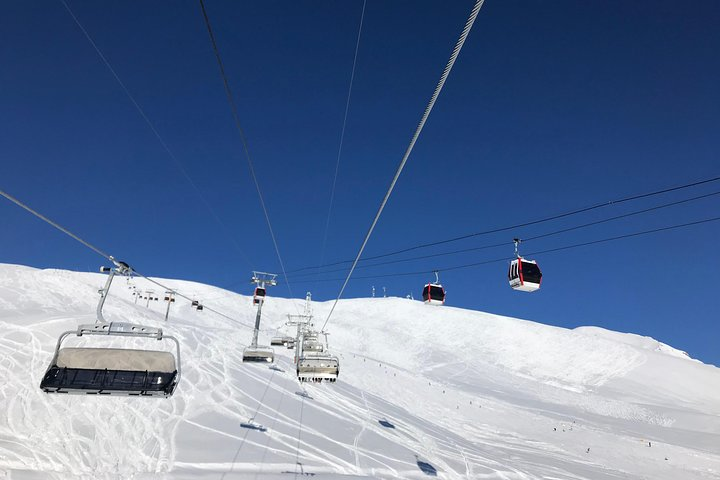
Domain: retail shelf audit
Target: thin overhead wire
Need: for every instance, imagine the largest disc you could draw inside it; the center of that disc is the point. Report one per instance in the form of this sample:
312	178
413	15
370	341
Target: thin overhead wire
243	140
524	224
525	239
252	419
428	109
342	138
101	252
539	252
155	132
54	224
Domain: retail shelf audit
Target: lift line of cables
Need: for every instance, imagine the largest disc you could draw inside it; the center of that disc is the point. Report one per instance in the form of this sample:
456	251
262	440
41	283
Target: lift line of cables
539	252
525	239
524	224
428	109
340	146
155	132
105	255
243	140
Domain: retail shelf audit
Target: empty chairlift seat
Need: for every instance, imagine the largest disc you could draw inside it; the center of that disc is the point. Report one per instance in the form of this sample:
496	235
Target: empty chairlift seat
258	353
311	344
113	371
282	341
313	367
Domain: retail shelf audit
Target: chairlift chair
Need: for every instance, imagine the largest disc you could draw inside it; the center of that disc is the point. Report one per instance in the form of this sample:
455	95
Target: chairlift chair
434	293
113	371
255	352
312	345
524	275
258	353
316	367
282	341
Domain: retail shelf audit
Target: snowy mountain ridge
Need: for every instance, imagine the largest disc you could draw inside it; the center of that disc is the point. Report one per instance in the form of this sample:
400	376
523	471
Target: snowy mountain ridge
639	341
423	391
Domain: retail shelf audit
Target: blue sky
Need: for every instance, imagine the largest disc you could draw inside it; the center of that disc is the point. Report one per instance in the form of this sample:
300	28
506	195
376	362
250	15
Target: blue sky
550	107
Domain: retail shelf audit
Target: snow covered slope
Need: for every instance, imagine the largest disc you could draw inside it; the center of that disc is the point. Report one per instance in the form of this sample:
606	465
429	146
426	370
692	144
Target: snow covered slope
423	391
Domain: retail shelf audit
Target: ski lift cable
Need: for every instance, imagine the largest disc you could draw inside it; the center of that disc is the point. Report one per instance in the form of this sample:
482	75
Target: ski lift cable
271	427
528	223
528	239
102	253
342	138
243	140
416	135
257	410
154	130
300	430
54	224
539	252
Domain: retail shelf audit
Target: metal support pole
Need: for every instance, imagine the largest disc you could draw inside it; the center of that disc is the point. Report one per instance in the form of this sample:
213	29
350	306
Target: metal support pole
298	345
103	295
257	326
261	279
301	323
170	297
308	304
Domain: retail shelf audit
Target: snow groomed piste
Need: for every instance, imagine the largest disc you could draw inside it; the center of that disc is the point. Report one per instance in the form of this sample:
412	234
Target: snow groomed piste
493	396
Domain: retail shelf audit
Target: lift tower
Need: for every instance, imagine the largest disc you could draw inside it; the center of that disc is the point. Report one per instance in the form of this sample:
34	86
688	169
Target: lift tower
255	353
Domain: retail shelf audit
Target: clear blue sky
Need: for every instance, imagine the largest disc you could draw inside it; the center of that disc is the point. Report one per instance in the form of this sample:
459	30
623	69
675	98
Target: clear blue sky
551	106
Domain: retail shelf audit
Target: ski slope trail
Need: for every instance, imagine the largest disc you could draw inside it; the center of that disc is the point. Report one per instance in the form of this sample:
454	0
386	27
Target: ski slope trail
423	392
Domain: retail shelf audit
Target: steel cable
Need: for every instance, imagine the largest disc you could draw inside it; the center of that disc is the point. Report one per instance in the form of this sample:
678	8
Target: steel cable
342	138
539	252
428	109
524	224
155	132
528	239
243	140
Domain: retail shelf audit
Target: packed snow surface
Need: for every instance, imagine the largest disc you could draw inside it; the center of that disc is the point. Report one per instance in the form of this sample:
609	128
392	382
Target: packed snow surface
423	391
